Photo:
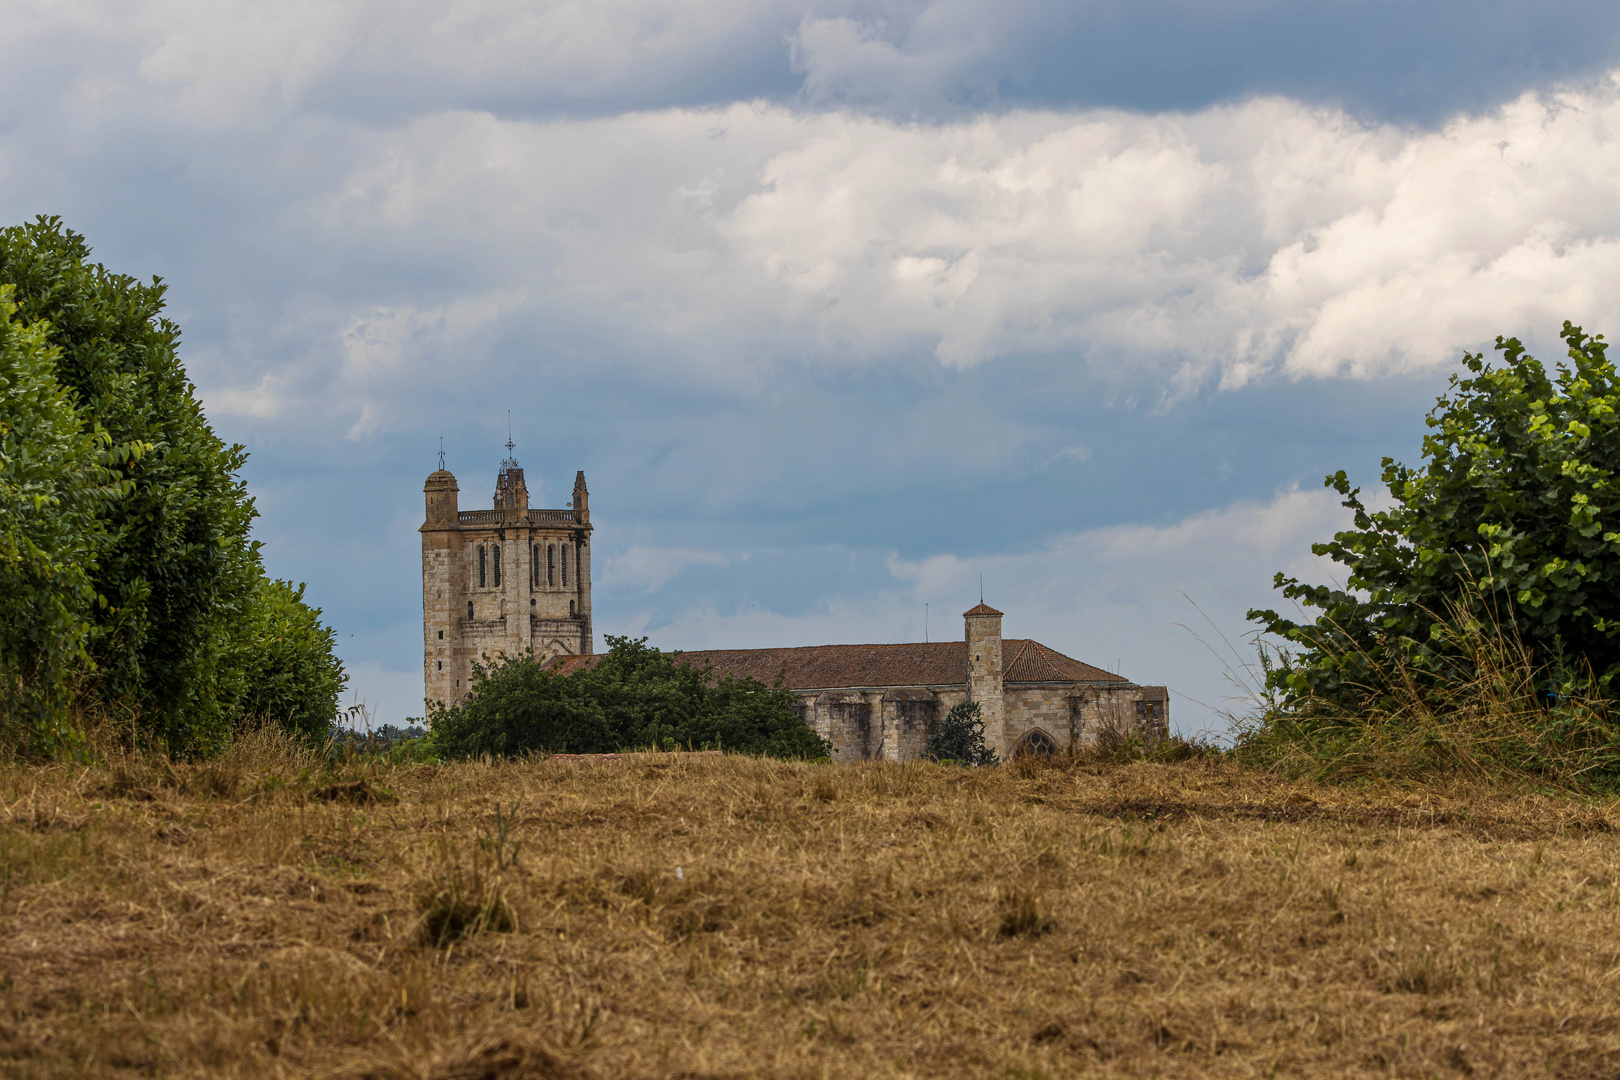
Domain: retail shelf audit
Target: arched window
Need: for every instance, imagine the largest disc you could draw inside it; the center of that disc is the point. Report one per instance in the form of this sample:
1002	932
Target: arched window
551	564
1036	742
565	565
497	566
570	609
469	611
481	581
534	565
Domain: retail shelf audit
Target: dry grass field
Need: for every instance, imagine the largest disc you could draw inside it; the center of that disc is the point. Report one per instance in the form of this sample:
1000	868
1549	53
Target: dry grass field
667	916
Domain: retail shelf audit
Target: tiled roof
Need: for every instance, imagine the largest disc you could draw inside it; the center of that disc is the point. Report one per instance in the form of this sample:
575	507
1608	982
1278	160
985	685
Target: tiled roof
1023	660
937	663
982	609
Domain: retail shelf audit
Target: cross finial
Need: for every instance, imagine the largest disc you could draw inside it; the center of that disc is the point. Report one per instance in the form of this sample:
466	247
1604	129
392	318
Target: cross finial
510	462
441	453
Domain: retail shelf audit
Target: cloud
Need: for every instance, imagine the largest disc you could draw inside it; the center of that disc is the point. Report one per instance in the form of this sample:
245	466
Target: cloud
649	568
217	64
1178	251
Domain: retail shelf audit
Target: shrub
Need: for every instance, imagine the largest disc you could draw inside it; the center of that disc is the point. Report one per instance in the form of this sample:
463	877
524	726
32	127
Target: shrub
289	673
634	697
960	738
144	571
1513	521
53	481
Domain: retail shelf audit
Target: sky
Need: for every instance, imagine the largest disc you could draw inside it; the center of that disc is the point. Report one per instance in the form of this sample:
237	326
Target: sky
841	306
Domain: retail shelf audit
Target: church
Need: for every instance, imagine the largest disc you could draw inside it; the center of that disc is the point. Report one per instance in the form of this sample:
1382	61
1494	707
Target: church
511	580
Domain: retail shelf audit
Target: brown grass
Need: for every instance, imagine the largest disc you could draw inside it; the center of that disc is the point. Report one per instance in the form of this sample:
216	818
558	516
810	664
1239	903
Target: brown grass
258	916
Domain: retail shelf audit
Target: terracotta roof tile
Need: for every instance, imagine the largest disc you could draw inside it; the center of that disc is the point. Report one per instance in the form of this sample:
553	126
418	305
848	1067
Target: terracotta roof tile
981	609
1023	660
937	663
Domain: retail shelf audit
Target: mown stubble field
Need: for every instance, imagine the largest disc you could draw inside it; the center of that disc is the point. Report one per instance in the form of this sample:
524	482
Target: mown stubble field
668	916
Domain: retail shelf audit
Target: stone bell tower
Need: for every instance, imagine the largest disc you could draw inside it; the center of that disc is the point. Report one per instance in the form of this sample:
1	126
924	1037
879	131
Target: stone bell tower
507	581
985	685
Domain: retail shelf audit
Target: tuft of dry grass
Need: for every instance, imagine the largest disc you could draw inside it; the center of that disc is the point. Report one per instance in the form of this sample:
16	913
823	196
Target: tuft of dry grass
667	916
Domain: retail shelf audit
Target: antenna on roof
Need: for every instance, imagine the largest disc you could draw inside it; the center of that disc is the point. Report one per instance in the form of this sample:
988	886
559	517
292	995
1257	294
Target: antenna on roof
925	624
981	588
441	453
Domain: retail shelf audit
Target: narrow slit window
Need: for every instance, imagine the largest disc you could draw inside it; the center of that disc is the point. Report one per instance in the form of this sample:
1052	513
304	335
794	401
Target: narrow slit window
481	568
551	564
497	550
469	611
565	565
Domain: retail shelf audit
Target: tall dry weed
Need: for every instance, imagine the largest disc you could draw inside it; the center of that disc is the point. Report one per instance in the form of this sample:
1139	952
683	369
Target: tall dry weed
1494	711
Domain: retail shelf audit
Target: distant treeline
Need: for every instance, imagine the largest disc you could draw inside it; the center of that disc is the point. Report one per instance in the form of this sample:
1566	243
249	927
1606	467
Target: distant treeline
130	591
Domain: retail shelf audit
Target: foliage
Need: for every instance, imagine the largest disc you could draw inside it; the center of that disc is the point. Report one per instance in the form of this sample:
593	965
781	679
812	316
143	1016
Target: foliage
289	673
1513	521
169	631
387	742
1489	716
54	477
960	738
176	568
634	697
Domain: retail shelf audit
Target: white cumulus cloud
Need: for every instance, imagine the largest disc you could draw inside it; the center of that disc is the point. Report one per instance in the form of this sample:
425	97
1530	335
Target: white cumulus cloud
1258	240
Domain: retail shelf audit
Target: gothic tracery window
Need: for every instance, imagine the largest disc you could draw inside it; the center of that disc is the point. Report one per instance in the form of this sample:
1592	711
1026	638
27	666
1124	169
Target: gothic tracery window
534	565
481	580
565	565
551	564
497	551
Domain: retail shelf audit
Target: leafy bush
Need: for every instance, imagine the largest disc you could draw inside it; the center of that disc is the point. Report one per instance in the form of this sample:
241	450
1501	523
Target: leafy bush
290	675
53	481
1492	717
155	585
960	738
634	697
1513	521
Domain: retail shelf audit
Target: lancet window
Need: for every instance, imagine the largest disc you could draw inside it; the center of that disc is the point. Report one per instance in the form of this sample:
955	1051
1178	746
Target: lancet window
497	551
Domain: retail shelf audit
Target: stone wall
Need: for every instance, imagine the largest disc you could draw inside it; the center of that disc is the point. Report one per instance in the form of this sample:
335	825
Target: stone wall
896	724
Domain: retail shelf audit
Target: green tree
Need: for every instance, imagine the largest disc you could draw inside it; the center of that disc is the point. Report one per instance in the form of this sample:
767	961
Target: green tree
289	673
54	479
960	738
634	697
1513	519
172	634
